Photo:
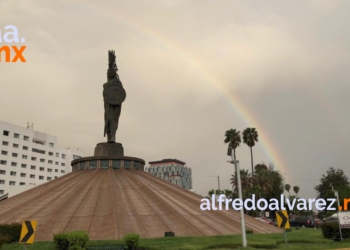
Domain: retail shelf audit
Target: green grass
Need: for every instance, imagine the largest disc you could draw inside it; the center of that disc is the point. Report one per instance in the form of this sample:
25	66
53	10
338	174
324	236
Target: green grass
304	238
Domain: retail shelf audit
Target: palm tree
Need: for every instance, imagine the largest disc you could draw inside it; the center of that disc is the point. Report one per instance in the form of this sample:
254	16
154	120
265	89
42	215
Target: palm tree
233	138
296	190
246	181
250	136
287	188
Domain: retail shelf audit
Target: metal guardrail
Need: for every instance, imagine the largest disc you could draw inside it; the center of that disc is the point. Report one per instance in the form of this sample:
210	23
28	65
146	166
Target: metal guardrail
113	247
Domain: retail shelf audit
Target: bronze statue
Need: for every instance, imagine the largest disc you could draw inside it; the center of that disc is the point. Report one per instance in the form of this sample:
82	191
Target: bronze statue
113	95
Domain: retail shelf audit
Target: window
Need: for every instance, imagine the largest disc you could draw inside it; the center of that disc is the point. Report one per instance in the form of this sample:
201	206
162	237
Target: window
25	148
104	164
48	178
3	152
56	170
62	171
55	177
50	153
56	162
14	164
13	173
14	154
63	156
32	176
41	177
6	133
1	191
22	183
38	142
42	160
41	169
38	151
49	170
76	157
63	164
92	164
5	143
15	145
32	167
23	174
2	182
3	162
51	144
26	138
24	157
2	172
33	158
57	155
50	162
16	135
23	165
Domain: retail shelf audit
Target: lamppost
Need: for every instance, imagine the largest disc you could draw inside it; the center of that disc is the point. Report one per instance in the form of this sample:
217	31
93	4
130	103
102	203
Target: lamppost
336	194
238	175
218	180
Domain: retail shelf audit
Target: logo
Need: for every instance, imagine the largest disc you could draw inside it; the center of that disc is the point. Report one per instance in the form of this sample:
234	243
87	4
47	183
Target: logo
11	53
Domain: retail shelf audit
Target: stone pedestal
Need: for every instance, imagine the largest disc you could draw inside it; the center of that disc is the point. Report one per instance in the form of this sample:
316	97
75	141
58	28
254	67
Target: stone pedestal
109	149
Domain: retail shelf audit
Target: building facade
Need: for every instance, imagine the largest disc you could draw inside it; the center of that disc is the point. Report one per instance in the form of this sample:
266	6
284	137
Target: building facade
172	170
29	158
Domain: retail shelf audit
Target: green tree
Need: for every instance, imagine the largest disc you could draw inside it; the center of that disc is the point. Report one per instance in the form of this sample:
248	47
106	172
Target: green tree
339	181
233	138
246	181
250	136
287	188
296	190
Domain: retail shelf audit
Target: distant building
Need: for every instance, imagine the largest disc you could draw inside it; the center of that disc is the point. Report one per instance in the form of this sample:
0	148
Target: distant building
172	170
29	158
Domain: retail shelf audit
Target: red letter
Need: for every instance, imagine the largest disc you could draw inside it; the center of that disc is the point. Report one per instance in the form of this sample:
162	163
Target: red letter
7	51
18	54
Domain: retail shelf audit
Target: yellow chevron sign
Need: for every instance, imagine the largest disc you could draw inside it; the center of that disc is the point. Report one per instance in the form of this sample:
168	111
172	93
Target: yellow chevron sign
282	219
28	232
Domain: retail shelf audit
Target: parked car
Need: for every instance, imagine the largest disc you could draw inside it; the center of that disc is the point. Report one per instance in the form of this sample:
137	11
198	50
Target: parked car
302	221
264	220
327	220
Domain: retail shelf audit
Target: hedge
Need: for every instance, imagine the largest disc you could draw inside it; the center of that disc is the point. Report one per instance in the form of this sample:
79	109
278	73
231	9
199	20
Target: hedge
76	240
11	232
330	230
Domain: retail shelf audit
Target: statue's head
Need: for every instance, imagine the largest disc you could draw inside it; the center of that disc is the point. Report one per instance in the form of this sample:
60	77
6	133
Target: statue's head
112	66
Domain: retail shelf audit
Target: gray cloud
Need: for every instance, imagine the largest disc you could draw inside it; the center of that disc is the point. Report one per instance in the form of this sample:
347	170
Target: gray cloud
286	62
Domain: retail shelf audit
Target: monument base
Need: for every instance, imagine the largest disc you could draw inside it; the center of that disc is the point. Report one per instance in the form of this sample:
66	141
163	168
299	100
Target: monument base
109	149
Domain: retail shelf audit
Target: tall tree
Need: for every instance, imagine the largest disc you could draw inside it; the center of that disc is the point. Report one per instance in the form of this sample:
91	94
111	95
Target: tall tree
287	188
233	138
246	181
296	190
339	181
250	136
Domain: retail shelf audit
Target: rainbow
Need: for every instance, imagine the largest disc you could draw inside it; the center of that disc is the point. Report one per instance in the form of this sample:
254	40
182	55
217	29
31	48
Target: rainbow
211	79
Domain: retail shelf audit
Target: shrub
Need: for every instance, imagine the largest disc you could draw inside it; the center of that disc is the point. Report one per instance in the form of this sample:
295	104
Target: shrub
4	240
11	231
76	240
131	241
331	229
249	231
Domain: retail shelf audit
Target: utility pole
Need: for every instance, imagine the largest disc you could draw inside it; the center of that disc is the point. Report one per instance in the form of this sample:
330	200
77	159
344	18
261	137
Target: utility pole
238	174
218	180
336	194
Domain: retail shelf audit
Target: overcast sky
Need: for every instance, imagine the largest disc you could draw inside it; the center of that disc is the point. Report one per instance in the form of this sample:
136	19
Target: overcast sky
191	70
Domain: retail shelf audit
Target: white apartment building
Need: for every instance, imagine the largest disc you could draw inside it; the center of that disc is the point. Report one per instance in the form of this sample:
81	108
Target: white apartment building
29	158
172	170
